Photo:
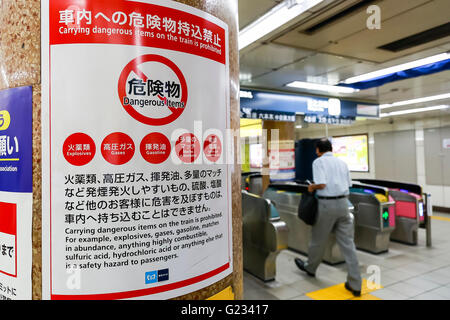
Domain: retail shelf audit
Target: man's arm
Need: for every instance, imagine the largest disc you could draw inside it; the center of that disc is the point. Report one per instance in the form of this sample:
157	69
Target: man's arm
350	182
314	187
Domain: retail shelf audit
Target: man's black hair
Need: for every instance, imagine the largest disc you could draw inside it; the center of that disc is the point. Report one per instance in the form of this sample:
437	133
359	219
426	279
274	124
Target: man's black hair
324	145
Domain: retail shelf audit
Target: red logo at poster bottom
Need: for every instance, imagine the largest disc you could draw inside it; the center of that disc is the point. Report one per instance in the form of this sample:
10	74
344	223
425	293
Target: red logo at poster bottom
117	148
155	148
79	149
187	147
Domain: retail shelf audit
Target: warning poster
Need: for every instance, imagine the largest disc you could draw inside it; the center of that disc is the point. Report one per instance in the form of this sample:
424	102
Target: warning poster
16	197
136	186
282	160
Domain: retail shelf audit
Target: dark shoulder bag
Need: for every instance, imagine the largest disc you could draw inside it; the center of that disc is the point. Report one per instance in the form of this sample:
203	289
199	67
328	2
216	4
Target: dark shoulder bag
307	209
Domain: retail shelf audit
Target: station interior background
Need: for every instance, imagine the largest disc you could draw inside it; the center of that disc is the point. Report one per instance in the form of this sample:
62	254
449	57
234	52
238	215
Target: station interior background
328	44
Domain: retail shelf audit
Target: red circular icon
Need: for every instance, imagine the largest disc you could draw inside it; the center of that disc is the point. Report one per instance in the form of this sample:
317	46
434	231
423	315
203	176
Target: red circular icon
133	66
79	149
212	147
155	148
187	147
117	148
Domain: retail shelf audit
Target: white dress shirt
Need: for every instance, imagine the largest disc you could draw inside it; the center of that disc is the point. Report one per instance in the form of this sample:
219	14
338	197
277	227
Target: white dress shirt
332	172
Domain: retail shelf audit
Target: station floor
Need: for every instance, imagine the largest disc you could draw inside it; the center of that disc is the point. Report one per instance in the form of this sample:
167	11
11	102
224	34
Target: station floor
406	273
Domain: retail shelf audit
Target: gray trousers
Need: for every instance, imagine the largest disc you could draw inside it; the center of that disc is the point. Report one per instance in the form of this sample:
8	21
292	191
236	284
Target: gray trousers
333	215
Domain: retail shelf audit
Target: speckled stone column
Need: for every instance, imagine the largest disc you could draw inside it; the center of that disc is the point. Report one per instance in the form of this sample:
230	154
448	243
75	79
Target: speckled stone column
20	66
227	11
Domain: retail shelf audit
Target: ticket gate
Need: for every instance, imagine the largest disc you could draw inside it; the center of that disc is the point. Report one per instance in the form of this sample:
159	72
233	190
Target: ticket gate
374	217
286	198
253	183
264	236
244	176
410	208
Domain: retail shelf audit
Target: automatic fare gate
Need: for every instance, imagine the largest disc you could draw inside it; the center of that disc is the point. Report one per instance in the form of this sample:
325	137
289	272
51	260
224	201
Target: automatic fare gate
264	236
286	198
412	210
374	217
252	182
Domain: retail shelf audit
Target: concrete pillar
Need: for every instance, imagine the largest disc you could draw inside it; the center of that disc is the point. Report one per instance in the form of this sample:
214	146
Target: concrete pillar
20	65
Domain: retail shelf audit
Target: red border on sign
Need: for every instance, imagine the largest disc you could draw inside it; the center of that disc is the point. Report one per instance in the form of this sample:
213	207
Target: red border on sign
108	7
142	292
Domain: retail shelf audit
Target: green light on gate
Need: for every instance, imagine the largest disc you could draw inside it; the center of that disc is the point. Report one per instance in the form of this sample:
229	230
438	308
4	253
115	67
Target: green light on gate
385	215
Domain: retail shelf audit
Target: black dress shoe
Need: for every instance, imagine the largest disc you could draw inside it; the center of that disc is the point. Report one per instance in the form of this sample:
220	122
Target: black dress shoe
355	293
301	265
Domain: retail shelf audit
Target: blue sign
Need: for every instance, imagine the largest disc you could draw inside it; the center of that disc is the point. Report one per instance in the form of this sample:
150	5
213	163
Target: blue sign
267	115
151	277
16	140
156	276
312	118
163	275
293	103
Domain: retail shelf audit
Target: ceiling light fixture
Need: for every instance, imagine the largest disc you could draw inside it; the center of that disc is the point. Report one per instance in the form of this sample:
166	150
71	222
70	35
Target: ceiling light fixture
408	111
415	101
272	20
398	68
321	87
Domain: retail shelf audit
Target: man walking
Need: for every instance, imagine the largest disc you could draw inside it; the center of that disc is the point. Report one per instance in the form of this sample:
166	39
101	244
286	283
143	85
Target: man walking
331	183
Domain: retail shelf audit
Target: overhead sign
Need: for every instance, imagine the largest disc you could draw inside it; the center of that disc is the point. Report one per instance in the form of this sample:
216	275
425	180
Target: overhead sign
293	103
333	106
247	113
367	110
312	118
16	193
136	195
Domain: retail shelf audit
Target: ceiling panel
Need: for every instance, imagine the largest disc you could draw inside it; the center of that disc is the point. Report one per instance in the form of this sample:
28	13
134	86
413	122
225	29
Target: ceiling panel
416	82
321	39
307	69
273	65
415	88
363	45
369	94
414	116
412	57
350	37
250	10
248	73
357	68
318	64
278	80
273	56
445	46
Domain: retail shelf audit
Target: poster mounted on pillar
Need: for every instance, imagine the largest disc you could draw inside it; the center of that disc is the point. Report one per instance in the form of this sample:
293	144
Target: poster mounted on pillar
282	160
16	193
136	180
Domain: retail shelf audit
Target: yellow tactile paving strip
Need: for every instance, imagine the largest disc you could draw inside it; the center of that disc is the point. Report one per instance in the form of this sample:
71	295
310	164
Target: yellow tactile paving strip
440	218
338	292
